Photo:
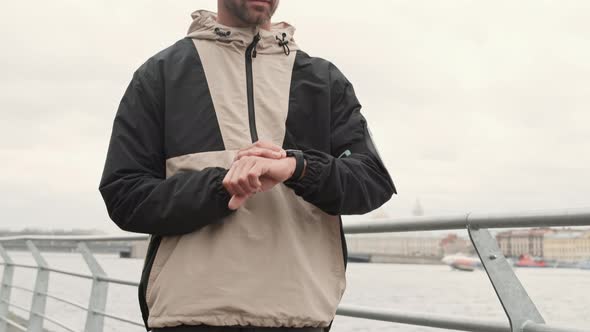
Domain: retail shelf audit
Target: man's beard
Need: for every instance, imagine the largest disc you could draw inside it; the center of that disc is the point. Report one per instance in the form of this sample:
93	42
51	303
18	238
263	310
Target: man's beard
239	9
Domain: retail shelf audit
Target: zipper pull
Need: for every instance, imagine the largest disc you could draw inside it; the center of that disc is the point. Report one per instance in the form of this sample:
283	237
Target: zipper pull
255	43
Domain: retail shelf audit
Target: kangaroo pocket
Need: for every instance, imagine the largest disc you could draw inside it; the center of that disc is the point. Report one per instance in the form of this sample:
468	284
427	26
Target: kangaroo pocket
277	261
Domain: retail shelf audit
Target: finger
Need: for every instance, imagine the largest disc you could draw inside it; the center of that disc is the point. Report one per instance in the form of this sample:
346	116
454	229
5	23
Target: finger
268	145
260	152
242	177
237	201
234	180
233	203
227	181
237	155
253	177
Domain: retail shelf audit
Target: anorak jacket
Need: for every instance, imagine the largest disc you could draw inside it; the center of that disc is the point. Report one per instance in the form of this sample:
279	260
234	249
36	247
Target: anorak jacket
280	259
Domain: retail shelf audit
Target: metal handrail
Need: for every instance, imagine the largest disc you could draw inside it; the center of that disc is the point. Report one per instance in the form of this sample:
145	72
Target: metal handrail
21	288
423	319
80	275
98	277
541	218
119	318
16	306
57	298
66	301
469	221
54	321
76	238
13	323
119	281
564	217
455	323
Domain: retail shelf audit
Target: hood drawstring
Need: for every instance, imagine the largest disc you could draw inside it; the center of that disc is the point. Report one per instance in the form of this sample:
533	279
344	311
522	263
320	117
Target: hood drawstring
222	33
283	43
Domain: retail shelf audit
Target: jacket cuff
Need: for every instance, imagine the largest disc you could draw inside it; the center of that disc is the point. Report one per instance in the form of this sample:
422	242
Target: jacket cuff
317	163
223	195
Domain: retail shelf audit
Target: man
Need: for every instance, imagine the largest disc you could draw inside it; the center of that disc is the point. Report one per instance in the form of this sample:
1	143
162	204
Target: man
238	153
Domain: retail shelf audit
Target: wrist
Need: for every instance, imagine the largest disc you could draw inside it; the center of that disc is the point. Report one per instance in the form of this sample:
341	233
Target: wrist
291	165
297	162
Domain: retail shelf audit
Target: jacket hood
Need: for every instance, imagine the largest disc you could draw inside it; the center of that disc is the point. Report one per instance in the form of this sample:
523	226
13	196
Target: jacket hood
205	26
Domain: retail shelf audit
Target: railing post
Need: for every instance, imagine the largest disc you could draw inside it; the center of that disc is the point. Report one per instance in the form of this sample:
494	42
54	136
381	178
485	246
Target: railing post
41	285
98	295
5	287
517	304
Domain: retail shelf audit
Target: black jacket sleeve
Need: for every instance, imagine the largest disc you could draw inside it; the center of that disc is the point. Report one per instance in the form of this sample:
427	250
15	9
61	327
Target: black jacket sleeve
352	179
137	194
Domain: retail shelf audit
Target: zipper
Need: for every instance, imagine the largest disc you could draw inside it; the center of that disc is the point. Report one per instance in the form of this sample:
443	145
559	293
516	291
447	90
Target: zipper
251	49
152	250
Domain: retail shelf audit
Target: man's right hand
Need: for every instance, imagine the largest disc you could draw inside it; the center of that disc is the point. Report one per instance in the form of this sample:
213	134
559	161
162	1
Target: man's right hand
255	174
241	186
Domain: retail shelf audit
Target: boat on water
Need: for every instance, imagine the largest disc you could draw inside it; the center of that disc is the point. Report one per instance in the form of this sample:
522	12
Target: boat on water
462	262
530	261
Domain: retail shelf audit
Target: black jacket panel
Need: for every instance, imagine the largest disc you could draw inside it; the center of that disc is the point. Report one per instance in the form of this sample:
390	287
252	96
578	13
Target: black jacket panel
191	125
134	187
344	175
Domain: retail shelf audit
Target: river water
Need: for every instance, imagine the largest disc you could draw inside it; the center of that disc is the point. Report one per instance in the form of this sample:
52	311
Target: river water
562	295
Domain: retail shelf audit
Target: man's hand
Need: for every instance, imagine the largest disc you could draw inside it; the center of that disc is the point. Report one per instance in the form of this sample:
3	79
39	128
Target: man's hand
251	174
262	148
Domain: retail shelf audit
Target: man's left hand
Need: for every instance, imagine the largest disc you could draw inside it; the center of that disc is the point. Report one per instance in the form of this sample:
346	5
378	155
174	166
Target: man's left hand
261	148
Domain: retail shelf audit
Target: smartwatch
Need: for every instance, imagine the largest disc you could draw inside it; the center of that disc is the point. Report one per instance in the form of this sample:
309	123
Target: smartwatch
299	163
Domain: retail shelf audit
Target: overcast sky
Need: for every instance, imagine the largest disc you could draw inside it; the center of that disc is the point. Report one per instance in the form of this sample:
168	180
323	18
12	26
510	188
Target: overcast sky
474	105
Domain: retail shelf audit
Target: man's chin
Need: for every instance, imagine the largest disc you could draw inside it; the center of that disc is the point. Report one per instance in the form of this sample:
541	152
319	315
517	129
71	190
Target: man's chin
258	13
258	18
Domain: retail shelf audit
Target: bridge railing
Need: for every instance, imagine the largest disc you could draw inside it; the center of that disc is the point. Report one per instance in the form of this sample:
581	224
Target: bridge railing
95	308
522	314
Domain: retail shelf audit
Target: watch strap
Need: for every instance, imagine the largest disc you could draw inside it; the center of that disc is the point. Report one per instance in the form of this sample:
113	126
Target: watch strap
299	163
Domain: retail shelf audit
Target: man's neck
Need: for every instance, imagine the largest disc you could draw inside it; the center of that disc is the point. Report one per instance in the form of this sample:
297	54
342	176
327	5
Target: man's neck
232	21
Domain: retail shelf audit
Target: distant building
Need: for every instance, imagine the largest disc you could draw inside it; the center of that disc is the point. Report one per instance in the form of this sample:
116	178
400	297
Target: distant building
568	246
453	244
514	243
407	246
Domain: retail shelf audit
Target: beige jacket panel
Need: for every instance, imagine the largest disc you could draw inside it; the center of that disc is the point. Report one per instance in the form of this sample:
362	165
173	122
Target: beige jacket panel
277	261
